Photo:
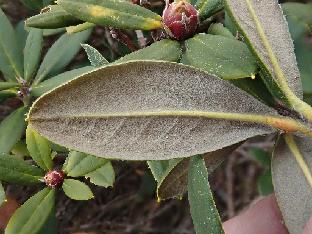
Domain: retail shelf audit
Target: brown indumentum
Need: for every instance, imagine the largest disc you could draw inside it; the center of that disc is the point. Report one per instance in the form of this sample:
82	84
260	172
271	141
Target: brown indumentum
54	178
181	20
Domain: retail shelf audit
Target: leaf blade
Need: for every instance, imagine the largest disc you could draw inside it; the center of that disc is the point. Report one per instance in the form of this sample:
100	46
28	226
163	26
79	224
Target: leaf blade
94	56
204	213
77	190
31	216
162	113
118	14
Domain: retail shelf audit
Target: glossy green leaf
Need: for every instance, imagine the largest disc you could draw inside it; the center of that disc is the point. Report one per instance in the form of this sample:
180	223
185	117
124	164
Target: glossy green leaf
133	111
7	85
77	190
33	214
94	56
204	212
39	149
219	29
60	79
118	14
17	171
207	8
265	30
32	53
2	195
166	50
293	188
60	54
12	128
79	164
228	58
173	181
52	17
10	53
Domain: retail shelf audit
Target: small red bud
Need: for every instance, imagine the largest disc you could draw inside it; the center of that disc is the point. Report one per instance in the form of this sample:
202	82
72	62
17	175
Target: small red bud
181	19
54	179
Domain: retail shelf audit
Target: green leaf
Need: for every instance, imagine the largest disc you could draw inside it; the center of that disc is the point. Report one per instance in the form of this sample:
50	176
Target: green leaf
265	30
77	190
21	34
300	13
228	58
265	185
5	94
10	53
50	32
50	226
204	212
219	29
52	17
2	195
60	54
292	180
117	14
32	53
133	111
173	182
94	56
166	50
104	176
17	171
79	164
33	214
60	79
20	149
304	57
8	85
11	129
39	149
207	8
33	4
79	27
159	168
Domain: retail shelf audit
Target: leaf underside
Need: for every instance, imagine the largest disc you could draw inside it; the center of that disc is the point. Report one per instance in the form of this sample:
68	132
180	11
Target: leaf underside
275	28
292	190
132	111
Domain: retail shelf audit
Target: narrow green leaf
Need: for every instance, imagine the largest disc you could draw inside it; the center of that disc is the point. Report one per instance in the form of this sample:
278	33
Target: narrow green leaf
50	32
166	50
104	176
79	27
32	53
39	149
8	85
58	80
77	190
117	14
292	180
60	54
207	8
10	53
33	214
11	129
260	23
228	58
79	164
20	149
2	195
8	93
173	182
52	17
265	185
94	56
204	212
21	34
50	226
133	111
17	171
219	29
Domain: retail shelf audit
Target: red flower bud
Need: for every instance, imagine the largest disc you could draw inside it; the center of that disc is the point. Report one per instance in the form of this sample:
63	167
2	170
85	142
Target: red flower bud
54	179
181	19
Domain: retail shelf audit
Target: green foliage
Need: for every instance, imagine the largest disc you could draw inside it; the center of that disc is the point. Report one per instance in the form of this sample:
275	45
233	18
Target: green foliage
207	8
94	56
77	190
205	220
17	171
33	214
11	129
